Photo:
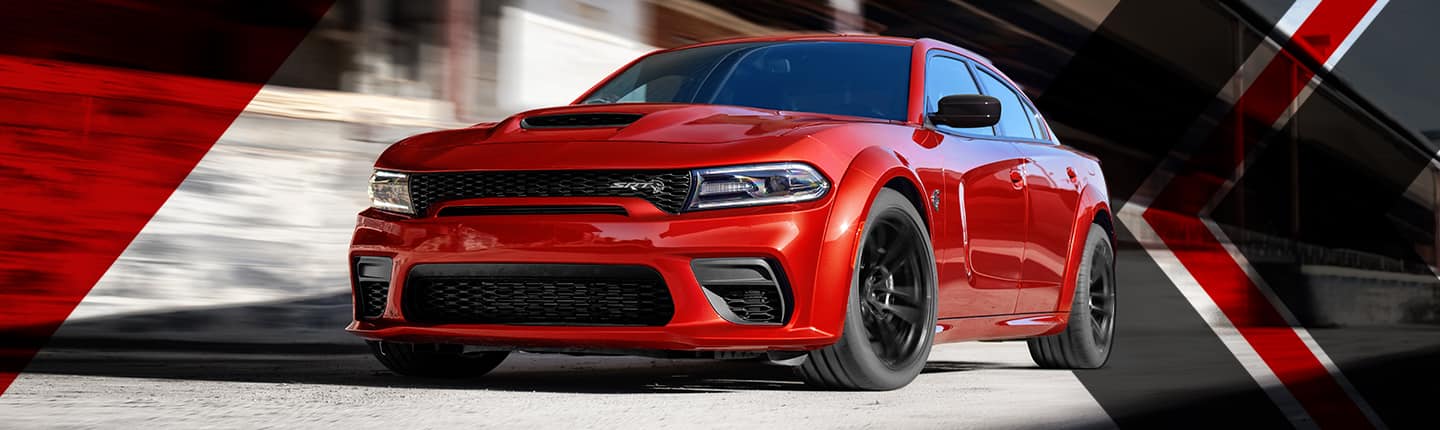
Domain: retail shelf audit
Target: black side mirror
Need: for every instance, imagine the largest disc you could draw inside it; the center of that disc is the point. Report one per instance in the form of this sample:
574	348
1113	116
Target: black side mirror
967	111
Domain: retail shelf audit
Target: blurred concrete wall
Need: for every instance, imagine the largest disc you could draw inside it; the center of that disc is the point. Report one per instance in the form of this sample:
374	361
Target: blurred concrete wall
267	215
552	51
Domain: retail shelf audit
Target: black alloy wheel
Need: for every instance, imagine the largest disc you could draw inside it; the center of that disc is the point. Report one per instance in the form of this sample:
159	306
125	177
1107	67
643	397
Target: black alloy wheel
1089	337
893	290
1101	293
890	319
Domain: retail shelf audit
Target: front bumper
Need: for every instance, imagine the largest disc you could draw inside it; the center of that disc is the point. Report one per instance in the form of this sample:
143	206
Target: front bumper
792	236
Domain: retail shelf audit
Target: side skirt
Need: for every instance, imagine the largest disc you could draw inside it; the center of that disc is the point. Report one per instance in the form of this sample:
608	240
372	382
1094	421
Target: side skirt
1000	327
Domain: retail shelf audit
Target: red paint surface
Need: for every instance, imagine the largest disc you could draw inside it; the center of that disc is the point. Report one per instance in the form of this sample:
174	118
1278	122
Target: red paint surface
1175	217
88	153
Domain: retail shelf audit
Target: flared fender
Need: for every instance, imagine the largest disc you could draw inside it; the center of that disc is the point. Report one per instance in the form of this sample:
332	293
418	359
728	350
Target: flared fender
1093	201
856	191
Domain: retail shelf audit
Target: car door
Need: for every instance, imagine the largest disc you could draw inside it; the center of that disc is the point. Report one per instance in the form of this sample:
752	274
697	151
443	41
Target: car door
981	256
1051	192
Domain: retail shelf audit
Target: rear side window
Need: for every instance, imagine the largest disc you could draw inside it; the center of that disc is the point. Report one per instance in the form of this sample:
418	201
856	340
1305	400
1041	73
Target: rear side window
1014	117
946	76
1035	121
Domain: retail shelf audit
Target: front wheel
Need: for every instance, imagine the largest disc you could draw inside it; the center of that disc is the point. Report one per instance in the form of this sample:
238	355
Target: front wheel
1088	338
890	319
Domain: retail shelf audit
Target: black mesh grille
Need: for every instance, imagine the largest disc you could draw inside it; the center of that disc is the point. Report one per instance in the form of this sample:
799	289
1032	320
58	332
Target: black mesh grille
545	294
371	298
756	305
533	210
744	290
667	190
371	277
580	120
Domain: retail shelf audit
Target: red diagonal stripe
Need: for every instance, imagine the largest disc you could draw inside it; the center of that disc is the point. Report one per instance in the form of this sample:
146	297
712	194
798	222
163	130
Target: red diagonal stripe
89	153
1175	216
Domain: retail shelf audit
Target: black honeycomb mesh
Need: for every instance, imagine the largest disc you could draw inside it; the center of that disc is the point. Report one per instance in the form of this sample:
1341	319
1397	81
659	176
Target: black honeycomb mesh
667	190
756	305
624	297
371	297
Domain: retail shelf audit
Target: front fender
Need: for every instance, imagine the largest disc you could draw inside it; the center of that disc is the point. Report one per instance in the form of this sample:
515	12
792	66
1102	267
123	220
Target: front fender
856	190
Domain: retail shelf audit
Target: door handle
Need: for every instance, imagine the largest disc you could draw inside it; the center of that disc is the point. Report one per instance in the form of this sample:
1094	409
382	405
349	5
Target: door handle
1017	178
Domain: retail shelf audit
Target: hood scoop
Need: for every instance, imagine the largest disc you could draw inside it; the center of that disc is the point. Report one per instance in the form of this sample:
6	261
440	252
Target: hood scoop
579	120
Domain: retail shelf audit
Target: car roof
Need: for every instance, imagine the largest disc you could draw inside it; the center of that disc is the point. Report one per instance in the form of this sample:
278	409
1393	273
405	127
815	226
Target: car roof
841	37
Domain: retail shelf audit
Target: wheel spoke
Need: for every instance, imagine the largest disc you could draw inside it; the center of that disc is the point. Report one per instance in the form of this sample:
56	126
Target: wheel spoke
888	335
876	280
871	305
873	329
895	253
897	296
908	314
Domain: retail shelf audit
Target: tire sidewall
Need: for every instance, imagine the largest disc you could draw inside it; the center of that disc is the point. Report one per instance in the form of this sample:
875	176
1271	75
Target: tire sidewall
1080	319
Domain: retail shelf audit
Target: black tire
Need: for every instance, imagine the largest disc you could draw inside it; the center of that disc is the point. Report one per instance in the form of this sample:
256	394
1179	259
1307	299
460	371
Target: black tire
890	318
1090	336
435	360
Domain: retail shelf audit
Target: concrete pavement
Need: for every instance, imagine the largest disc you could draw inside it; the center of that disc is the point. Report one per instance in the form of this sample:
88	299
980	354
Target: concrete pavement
974	385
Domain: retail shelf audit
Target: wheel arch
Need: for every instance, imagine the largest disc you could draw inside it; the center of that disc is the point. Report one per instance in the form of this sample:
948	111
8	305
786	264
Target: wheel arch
872	170
1093	209
911	191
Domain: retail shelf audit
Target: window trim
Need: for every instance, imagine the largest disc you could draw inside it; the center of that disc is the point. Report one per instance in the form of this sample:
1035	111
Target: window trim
1031	111
1029	126
973	66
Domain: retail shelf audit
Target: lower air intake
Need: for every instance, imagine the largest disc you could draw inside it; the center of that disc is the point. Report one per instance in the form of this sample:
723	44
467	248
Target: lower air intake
537	294
744	290
372	286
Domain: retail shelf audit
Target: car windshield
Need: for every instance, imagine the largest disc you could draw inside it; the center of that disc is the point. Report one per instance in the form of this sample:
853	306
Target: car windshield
842	78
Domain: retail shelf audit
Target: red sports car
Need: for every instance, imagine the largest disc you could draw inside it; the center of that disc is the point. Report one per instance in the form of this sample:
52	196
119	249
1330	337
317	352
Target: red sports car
835	203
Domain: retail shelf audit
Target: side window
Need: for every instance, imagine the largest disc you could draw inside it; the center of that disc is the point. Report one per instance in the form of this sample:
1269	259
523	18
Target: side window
948	76
1035	121
1014	117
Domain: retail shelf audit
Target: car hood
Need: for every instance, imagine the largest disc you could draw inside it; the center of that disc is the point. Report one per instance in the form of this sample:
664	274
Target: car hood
663	136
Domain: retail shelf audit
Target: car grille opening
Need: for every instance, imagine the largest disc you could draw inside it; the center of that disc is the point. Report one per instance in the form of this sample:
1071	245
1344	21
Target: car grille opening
667	190
533	210
579	120
744	290
372	286
537	294
371	300
756	305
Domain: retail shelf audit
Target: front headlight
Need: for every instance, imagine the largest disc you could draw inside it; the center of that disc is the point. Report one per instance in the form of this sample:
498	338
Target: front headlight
760	184
390	191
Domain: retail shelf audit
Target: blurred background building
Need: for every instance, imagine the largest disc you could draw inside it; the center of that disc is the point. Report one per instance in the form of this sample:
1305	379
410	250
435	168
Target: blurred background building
372	71
464	61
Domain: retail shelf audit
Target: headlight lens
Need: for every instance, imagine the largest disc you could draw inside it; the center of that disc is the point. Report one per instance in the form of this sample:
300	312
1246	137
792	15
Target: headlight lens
390	191
760	184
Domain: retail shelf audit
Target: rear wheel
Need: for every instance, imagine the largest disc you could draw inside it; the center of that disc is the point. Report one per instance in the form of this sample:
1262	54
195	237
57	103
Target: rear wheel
890	319
435	360
1088	338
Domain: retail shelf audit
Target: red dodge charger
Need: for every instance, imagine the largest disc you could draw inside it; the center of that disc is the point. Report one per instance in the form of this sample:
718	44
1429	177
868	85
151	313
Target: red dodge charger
833	203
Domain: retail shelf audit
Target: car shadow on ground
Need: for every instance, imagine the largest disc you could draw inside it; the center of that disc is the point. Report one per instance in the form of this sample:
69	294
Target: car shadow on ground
303	342
521	372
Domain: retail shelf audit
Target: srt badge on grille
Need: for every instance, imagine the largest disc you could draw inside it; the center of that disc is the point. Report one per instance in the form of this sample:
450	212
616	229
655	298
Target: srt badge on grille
652	186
